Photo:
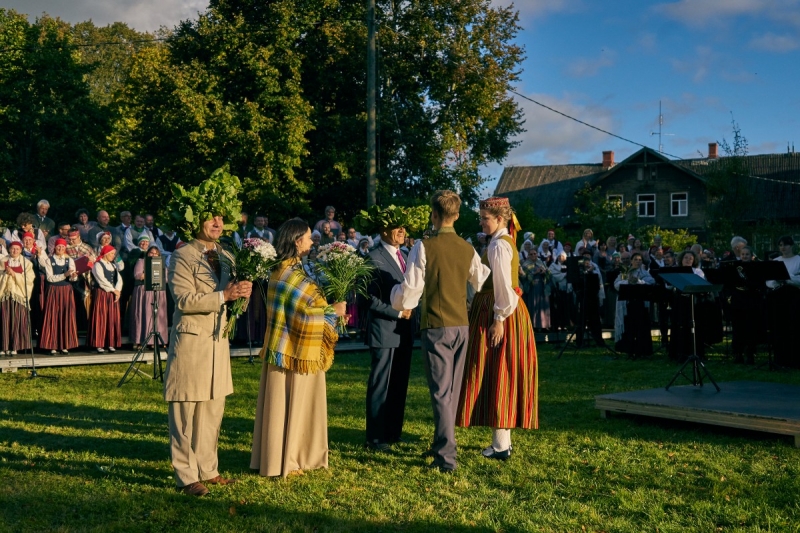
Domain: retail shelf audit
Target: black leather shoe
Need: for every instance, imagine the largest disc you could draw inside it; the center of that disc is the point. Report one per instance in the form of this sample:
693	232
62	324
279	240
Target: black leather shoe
379	446
443	469
491	453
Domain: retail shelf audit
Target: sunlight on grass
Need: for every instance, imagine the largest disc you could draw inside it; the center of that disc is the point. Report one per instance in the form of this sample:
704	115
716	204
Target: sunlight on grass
80	454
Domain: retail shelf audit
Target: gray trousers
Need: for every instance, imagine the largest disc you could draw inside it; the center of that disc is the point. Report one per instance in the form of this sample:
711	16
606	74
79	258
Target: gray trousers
444	353
193	438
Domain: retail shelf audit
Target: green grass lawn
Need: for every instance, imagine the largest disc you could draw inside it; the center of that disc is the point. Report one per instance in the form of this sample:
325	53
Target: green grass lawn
80	454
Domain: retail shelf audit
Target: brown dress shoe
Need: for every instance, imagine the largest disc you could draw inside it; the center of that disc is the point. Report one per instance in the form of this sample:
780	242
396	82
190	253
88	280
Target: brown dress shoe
219	480
194	489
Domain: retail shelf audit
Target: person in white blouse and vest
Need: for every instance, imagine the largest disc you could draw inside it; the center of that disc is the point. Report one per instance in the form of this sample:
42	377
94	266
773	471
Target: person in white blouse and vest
437	274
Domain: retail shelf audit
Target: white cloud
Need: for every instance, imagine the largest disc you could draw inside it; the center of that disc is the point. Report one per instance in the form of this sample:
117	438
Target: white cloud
703	13
554	139
530	9
143	15
770	42
588	67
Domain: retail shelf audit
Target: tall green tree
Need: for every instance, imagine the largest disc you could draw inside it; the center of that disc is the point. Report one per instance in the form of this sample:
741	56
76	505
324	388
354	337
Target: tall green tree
444	111
223	91
51	130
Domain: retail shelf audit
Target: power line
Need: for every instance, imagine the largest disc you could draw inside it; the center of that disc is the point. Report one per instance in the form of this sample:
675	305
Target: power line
586	123
628	140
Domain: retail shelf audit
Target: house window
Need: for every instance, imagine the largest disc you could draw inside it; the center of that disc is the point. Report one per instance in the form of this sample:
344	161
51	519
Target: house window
616	200
647	205
680	204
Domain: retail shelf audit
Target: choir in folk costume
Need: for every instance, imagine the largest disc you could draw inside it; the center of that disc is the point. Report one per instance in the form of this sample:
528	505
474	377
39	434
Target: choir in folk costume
16	287
500	386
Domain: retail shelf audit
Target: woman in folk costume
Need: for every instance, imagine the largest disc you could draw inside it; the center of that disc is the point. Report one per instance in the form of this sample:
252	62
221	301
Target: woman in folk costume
141	305
16	286
59	327
104	321
500	387
31	251
291	426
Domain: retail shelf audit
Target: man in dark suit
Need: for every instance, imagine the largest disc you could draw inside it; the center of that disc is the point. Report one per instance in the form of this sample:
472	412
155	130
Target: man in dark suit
390	337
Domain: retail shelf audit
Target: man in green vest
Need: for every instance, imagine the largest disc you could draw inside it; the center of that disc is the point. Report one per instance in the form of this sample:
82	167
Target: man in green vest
437	273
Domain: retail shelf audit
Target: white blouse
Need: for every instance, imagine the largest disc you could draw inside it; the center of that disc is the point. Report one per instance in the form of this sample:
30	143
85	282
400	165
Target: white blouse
500	254
100	279
48	266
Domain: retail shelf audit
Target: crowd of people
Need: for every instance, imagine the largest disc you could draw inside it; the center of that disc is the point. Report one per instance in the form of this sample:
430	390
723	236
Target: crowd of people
558	301
59	278
474	304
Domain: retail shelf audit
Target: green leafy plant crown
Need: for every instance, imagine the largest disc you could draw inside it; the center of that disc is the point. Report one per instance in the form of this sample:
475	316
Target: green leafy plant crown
216	196
376	219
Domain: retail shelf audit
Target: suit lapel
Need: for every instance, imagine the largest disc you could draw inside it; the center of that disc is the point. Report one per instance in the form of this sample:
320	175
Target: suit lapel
391	261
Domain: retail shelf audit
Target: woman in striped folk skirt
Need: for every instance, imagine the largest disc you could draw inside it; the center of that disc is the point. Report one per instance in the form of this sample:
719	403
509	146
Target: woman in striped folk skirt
104	321
16	287
500	386
59	326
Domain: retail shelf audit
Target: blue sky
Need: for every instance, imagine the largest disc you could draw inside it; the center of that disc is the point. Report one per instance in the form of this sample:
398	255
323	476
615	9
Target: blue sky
609	63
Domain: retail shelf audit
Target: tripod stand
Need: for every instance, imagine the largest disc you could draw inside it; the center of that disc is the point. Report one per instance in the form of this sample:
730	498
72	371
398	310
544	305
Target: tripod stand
583	314
34	373
691	284
155	337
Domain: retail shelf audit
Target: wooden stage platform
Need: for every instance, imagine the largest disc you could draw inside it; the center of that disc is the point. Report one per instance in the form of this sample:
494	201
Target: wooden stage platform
753	405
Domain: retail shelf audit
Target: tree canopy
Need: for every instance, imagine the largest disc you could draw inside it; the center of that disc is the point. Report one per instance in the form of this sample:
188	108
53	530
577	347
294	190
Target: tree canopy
274	91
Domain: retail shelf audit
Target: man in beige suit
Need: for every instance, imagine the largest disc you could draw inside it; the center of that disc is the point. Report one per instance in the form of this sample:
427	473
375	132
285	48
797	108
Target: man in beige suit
198	376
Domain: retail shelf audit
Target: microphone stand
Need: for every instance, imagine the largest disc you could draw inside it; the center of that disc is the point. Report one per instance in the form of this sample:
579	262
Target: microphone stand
34	373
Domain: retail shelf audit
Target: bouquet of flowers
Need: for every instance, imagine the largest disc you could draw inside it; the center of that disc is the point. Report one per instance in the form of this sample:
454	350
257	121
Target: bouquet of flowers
253	261
341	271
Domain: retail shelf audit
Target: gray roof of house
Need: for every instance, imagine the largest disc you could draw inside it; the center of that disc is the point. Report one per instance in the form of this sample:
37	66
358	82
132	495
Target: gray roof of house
774	184
549	189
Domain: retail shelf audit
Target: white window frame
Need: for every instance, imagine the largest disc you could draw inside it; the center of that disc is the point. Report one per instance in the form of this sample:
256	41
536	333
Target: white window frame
679	202
643	203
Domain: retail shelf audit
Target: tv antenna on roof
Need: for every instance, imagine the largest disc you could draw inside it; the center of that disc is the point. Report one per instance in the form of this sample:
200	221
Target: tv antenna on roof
660	123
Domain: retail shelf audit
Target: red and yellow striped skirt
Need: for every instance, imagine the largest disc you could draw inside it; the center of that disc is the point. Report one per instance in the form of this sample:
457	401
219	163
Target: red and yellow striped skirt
500	388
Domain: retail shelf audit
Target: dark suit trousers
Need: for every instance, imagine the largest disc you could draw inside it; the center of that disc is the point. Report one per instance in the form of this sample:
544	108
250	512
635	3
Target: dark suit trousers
386	391
444	355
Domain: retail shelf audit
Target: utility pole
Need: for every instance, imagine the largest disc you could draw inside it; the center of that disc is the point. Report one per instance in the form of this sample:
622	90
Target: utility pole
372	157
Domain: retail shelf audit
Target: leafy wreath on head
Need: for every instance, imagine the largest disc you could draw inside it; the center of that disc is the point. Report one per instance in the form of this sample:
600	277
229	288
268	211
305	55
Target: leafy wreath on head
216	196
375	219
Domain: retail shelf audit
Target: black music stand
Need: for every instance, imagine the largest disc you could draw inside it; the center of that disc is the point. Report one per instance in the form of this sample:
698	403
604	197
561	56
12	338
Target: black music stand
642	292
576	275
690	285
752	274
664	297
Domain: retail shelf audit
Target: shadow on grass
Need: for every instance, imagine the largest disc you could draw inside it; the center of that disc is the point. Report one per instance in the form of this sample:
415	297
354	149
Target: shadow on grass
170	511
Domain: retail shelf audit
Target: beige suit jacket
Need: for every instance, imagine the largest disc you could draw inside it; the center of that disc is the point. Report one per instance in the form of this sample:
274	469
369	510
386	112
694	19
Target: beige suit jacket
199	362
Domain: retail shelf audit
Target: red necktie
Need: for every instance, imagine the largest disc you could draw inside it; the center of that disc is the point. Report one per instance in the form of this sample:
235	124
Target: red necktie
402	262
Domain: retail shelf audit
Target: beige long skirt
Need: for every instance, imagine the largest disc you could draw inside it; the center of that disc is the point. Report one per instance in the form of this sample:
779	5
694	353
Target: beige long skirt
291	428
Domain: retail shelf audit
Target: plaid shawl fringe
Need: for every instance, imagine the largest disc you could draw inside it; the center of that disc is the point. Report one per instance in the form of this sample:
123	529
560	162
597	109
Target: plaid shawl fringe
301	332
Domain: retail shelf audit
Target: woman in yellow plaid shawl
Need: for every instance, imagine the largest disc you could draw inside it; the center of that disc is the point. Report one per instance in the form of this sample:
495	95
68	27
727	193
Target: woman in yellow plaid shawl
291	426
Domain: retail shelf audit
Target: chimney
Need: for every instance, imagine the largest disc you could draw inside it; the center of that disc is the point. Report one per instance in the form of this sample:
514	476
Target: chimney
712	151
608	159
